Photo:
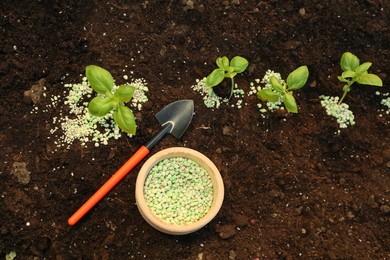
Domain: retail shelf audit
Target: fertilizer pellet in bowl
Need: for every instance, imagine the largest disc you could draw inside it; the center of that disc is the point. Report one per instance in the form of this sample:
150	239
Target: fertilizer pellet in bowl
178	190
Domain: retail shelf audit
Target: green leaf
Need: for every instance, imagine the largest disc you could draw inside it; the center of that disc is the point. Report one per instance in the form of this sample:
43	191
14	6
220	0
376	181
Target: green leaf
342	79
223	62
124	118
100	106
268	95
229	70
297	79
124	93
239	64
349	62
369	79
215	77
100	79
348	74
289	102
276	84
230	73
346	88
363	68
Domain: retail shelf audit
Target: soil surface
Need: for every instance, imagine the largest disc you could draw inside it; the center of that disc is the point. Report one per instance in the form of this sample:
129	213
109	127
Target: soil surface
294	188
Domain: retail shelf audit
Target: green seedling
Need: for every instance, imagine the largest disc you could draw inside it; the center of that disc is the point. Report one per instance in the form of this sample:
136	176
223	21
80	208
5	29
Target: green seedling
282	91
353	72
109	99
226	69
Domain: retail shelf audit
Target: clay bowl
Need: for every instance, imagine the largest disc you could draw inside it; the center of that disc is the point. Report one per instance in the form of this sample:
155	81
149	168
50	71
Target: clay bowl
203	161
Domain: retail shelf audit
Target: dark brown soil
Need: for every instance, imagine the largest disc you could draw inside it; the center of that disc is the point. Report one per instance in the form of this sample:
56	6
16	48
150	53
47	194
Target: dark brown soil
294	189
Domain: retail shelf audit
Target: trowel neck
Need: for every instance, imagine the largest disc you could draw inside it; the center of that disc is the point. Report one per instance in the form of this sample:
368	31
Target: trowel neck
166	129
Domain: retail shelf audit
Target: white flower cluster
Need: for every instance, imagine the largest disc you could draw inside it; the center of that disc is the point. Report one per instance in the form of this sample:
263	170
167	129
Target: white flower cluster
211	100
341	111
75	123
267	85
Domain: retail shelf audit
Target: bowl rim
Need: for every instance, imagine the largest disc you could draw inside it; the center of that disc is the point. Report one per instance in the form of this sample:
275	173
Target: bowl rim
205	163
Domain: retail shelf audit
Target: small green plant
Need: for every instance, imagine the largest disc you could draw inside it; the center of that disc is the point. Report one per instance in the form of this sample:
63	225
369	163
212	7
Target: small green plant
226	69
10	256
282	91
353	72
109	99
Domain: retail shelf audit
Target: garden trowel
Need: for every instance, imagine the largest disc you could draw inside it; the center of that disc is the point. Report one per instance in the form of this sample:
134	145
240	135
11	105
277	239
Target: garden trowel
174	119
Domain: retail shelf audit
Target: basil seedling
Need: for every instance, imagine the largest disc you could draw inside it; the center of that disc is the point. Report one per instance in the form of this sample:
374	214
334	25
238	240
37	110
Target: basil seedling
282	91
109	98
227	69
353	72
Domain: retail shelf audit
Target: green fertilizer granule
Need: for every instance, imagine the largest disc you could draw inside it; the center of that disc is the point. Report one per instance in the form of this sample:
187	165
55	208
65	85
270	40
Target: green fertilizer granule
178	191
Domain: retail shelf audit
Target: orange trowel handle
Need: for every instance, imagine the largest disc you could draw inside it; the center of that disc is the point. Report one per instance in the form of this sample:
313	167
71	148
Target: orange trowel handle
114	180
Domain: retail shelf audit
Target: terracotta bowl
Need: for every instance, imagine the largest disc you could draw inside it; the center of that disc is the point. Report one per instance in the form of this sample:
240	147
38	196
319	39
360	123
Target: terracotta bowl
204	162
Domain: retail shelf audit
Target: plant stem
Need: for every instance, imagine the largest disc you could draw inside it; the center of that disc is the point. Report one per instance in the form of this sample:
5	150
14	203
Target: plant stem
341	99
232	88
349	83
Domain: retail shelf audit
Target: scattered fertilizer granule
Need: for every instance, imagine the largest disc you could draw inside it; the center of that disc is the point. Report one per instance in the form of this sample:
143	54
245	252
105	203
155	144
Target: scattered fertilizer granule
255	87
211	100
385	101
341	111
74	122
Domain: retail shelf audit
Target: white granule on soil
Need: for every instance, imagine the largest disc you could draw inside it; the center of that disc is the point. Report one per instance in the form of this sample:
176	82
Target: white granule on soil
74	123
211	100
